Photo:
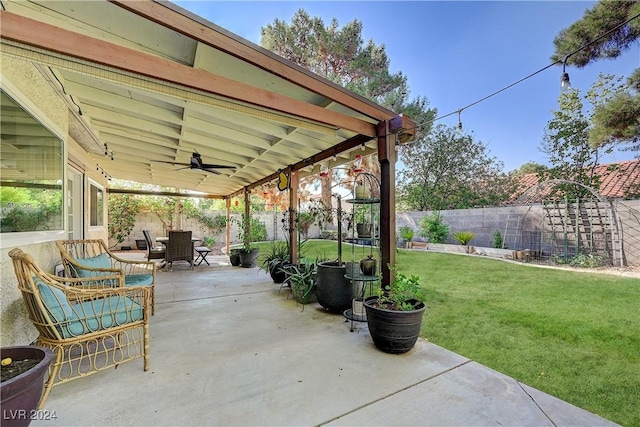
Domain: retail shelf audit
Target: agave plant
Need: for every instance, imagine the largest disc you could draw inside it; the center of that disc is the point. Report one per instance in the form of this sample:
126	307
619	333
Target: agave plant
464	237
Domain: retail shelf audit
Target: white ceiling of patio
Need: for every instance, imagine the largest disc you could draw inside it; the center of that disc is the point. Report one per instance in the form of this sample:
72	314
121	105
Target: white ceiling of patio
160	87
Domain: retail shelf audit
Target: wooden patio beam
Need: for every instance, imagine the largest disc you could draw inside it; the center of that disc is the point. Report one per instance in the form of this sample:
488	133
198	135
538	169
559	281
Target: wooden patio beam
44	36
193	26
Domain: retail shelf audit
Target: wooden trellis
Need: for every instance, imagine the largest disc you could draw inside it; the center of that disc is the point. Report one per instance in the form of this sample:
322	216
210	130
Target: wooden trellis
570	227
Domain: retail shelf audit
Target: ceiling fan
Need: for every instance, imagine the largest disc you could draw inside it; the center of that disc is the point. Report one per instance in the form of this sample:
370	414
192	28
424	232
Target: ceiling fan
196	163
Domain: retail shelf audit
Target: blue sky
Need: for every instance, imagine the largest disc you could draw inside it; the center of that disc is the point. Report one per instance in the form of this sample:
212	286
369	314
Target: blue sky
455	53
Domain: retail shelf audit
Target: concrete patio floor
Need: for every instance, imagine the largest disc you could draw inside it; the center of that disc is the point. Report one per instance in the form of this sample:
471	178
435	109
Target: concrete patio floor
227	349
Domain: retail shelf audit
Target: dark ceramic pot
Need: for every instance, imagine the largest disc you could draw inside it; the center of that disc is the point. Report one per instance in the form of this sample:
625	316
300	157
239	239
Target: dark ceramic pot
234	258
278	273
249	258
364	230
21	394
368	266
393	331
333	290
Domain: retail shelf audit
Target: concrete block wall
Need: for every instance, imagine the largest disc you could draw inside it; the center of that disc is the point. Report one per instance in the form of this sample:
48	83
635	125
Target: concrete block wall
485	221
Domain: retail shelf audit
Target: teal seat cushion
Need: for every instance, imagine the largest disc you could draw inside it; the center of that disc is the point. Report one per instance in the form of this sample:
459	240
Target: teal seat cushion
100	261
102	314
138	280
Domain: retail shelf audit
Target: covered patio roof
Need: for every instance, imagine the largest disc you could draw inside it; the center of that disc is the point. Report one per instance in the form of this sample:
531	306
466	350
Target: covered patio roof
150	83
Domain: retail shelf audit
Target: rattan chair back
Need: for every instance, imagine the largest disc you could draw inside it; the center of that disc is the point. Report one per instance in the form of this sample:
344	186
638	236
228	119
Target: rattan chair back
88	323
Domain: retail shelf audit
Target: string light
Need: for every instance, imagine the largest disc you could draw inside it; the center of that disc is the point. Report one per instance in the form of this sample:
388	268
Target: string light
417	126
564	79
103	172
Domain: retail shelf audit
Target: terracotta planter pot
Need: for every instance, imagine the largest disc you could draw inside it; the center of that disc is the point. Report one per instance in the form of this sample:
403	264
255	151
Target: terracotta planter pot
21	394
393	331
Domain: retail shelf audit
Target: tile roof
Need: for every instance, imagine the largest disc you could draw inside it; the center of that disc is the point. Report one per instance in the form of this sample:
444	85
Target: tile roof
618	179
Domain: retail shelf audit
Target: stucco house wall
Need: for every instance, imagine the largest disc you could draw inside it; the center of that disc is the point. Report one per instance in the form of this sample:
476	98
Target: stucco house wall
23	81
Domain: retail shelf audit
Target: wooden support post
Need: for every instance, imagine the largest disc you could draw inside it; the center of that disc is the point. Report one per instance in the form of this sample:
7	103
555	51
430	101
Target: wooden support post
228	228
387	158
293	216
247	215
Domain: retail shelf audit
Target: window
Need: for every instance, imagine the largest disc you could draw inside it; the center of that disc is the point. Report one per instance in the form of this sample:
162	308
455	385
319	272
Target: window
32	165
96	205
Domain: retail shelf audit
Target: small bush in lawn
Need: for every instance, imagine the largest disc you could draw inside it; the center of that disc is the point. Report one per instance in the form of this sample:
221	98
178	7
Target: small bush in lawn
406	233
432	228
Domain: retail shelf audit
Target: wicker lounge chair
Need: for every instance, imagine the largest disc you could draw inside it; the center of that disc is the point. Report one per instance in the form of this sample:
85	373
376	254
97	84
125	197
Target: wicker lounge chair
89	324
179	248
86	258
154	251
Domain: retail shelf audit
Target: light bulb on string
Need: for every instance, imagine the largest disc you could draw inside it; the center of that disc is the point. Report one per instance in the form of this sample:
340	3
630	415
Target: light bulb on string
324	170
459	122
357	164
565	83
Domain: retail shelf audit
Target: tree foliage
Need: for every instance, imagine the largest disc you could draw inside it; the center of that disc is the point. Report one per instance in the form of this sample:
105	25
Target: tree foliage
449	170
341	55
122	211
566	139
618	119
602	18
336	53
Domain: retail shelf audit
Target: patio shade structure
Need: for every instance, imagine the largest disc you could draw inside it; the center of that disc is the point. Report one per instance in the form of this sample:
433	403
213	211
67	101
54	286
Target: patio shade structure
148	84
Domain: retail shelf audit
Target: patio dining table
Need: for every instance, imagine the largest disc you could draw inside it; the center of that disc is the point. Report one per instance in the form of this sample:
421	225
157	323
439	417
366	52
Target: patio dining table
202	251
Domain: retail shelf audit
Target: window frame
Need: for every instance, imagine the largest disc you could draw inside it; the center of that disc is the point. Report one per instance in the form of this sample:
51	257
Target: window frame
99	215
9	240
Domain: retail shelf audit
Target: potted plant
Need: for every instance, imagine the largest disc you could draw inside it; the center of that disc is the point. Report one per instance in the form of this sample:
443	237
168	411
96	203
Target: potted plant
274	260
394	315
464	237
407	233
302	280
234	256
248	253
364	227
23	373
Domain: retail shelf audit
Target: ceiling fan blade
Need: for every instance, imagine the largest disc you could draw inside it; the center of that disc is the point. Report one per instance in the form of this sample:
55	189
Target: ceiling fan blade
171	163
210	171
209	166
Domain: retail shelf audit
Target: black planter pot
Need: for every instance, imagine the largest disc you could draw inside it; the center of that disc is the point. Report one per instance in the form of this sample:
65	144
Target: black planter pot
333	289
278	273
249	259
393	331
21	394
364	230
234	258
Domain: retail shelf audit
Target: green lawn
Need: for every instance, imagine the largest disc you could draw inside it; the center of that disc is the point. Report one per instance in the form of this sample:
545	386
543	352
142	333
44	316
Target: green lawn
573	335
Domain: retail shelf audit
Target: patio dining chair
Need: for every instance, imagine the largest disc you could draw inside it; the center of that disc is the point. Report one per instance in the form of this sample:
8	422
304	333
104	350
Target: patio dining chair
86	322
91	257
179	248
154	250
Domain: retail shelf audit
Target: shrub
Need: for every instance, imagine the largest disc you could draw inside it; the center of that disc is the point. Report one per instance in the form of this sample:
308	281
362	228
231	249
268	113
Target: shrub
498	242
464	237
432	228
406	233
